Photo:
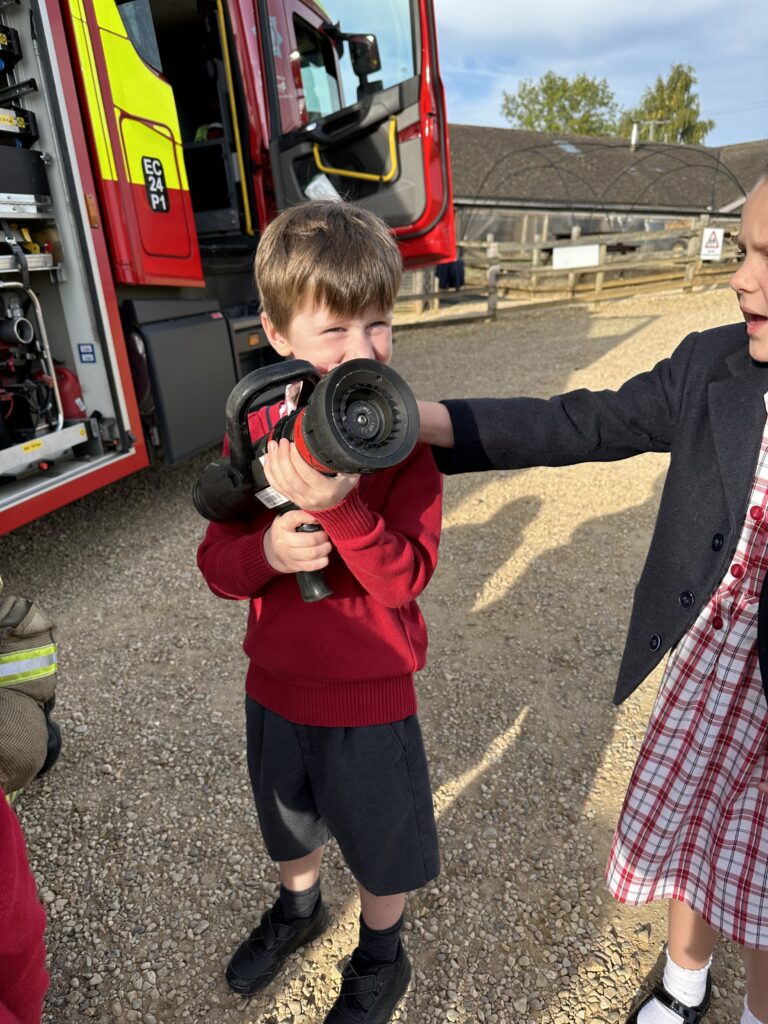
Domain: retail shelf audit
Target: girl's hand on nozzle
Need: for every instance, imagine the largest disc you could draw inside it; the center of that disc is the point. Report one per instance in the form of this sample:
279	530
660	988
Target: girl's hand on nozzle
289	474
289	551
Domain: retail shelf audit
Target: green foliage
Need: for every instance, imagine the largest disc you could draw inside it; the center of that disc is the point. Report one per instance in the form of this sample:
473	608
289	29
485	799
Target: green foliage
669	111
579	106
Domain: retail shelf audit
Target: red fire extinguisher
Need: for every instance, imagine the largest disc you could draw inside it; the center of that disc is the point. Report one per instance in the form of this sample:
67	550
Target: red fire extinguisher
72	402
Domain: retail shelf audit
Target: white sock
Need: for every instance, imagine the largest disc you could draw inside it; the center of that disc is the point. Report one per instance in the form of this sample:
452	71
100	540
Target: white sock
687	986
748	1017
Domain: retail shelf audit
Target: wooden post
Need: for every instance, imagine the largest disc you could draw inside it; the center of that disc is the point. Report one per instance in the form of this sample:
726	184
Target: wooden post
538	237
693	264
493	289
600	275
537	252
690	263
533	279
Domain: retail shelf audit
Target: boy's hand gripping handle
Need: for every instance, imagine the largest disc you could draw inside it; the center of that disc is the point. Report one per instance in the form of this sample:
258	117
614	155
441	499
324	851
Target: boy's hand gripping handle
312	584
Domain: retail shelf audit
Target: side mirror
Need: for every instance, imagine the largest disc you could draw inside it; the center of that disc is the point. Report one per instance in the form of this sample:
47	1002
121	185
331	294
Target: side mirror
364	54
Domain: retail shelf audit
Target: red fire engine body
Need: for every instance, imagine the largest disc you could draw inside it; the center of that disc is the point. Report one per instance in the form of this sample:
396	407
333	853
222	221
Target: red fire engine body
143	146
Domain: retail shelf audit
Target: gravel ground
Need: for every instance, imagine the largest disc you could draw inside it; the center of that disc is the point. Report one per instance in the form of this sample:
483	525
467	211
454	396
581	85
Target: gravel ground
144	838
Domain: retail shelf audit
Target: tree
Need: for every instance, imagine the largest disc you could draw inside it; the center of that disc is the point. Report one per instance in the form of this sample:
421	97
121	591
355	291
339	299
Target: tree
579	106
669	110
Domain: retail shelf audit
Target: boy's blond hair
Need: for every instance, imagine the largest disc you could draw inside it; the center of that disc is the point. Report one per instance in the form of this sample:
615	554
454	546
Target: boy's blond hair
326	253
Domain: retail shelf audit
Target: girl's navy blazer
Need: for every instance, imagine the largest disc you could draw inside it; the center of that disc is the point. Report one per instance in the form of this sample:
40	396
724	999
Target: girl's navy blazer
705	405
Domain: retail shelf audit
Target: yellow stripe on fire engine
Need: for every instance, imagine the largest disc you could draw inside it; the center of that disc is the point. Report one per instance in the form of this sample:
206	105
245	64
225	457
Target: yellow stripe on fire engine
107	168
145	108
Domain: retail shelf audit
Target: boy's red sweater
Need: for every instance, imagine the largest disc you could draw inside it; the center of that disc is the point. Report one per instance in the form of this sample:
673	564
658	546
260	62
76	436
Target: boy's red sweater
349	659
23	978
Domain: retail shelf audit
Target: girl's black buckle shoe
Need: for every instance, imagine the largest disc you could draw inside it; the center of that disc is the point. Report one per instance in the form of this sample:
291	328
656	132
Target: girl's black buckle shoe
687	1014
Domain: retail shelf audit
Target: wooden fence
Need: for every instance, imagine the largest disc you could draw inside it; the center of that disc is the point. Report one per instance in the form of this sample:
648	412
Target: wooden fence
626	263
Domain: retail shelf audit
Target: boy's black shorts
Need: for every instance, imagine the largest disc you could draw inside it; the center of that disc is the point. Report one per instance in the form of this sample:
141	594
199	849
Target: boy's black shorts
367	786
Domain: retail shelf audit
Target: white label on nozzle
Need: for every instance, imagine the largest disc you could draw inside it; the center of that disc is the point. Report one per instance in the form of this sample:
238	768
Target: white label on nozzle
271	498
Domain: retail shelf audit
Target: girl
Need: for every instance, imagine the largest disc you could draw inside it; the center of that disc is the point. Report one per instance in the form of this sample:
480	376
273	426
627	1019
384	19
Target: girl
694	825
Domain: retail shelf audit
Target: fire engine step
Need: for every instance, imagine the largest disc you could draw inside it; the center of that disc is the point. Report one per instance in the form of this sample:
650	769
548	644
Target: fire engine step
19	458
18	491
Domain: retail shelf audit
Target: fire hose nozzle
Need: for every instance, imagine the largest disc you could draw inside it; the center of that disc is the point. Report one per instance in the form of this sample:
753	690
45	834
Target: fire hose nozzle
361	417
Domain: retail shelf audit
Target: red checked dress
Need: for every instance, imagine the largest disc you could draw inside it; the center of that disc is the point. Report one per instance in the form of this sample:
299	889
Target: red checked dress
694	826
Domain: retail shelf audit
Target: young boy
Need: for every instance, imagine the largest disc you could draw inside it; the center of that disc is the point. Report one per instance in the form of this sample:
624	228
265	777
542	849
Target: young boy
334	745
694	826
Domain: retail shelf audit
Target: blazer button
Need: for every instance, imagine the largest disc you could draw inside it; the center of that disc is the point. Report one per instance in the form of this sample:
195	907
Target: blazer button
687	599
655	642
717	542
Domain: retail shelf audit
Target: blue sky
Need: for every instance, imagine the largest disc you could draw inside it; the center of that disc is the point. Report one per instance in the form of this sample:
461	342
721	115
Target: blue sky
488	46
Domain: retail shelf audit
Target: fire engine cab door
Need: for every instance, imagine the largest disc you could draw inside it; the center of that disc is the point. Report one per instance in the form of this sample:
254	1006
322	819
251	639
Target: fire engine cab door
130	111
357	110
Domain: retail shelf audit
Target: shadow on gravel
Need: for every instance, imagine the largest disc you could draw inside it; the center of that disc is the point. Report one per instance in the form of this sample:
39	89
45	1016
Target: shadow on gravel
544	347
516	707
536	670
651	980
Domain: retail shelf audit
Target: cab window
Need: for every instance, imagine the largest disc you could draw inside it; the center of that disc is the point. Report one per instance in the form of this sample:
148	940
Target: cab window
322	94
394	23
137	21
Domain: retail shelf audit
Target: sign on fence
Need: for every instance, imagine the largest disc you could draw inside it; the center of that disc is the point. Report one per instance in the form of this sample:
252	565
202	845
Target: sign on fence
712	243
566	256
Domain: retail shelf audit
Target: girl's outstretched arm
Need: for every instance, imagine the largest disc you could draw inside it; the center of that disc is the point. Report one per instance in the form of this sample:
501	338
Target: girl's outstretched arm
435	425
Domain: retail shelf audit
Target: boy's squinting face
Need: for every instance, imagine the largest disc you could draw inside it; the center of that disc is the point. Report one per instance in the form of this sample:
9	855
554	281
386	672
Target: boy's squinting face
326	339
750	282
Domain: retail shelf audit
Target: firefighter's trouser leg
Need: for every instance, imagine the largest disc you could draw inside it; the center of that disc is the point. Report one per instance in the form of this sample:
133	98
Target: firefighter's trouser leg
23	739
27	689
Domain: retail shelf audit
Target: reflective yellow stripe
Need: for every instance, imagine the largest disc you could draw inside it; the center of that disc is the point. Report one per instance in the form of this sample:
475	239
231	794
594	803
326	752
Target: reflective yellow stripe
33	652
137	91
28	677
26	666
142	95
96	109
109	18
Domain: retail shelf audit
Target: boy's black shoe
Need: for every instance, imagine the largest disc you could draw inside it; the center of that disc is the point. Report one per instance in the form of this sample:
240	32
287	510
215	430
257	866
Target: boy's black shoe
370	990
260	957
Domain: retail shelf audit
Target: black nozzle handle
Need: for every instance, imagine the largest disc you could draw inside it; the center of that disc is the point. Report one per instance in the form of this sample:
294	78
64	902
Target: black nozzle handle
250	388
312	584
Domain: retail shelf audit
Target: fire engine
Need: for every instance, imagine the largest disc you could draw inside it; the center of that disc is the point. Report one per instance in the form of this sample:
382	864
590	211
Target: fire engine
143	146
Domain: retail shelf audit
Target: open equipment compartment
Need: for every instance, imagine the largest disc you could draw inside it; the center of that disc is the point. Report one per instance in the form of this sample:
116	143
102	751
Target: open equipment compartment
61	411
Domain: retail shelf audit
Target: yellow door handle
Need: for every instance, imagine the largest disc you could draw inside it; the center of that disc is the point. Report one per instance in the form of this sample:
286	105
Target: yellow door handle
364	175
